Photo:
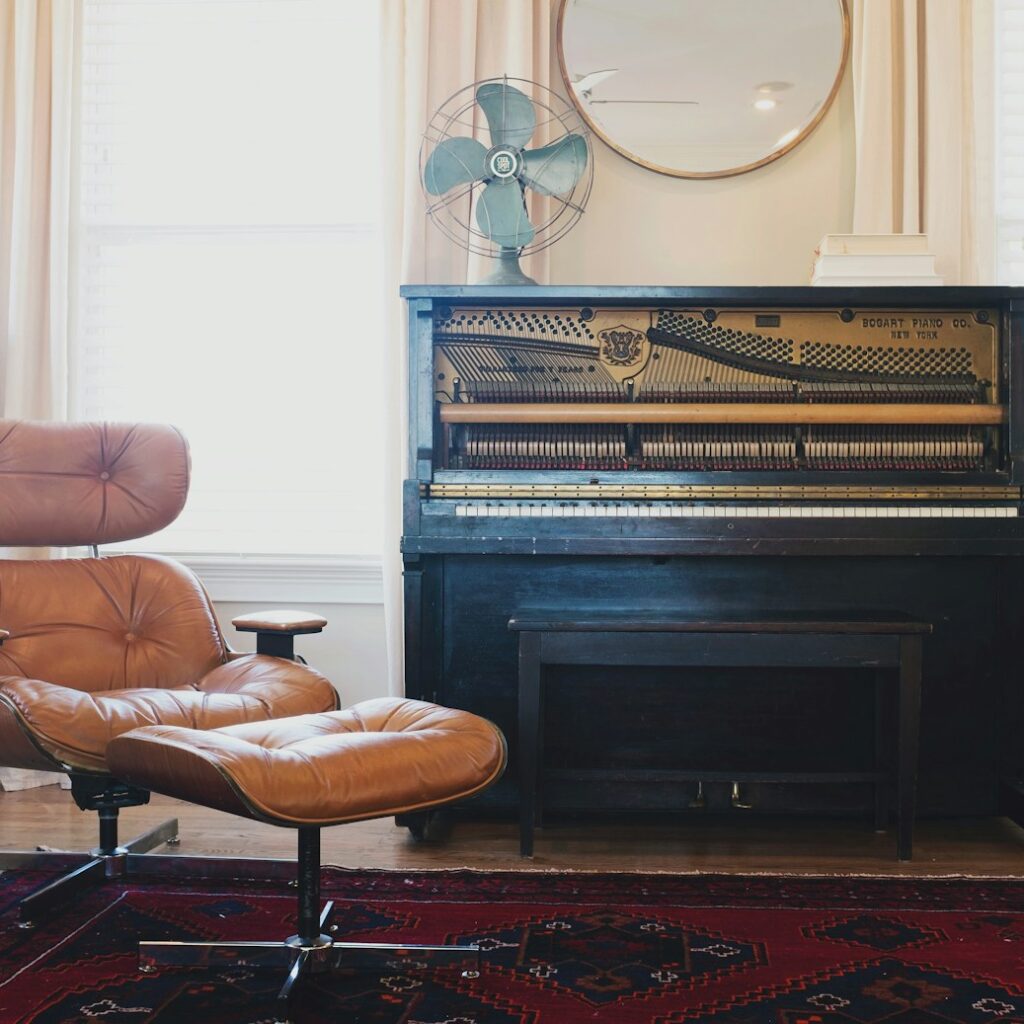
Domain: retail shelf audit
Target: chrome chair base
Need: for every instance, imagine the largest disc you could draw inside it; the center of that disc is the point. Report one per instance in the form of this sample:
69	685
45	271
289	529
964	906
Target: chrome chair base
82	871
312	950
314	955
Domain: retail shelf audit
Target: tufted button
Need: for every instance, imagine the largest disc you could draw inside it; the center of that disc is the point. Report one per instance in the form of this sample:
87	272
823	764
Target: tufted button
104	475
129	637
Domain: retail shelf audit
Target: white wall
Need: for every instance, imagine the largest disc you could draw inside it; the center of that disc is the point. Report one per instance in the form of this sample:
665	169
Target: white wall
759	228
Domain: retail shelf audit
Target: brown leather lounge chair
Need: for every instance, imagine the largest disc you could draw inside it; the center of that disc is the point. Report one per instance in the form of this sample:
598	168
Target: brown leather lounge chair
93	647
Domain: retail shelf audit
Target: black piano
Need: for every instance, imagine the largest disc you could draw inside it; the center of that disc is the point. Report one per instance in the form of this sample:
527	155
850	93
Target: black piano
723	451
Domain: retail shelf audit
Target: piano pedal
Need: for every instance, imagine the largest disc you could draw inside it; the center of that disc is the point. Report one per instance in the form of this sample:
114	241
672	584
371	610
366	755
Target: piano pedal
699	801
737	800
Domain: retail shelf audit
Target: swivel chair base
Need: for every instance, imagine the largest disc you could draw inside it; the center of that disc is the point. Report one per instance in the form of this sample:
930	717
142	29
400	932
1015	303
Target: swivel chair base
311	950
84	871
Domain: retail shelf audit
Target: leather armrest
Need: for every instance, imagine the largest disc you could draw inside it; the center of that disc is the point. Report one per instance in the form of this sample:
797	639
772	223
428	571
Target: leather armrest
276	630
283	621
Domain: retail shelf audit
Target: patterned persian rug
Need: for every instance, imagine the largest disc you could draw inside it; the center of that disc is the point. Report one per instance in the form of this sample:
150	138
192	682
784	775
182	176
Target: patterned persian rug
559	949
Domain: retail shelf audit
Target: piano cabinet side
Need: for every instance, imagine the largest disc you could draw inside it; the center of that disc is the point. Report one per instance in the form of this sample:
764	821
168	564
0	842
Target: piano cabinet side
421	389
1013	373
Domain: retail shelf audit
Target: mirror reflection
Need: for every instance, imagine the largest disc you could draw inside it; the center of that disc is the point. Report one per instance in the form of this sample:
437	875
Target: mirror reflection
703	88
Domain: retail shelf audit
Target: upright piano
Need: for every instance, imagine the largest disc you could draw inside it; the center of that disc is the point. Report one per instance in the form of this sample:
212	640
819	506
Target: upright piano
725	451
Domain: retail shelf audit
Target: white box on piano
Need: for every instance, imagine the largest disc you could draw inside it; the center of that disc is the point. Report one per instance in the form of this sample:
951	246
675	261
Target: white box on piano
872	245
873	260
878	265
867	281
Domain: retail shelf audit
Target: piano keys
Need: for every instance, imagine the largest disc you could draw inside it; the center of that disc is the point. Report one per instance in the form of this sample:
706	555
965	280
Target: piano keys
636	510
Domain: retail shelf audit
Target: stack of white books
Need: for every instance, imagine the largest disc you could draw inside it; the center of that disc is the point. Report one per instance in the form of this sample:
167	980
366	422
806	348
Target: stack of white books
874	260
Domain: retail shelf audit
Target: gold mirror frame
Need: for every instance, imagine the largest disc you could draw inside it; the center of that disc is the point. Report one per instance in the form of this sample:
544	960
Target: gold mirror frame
844	9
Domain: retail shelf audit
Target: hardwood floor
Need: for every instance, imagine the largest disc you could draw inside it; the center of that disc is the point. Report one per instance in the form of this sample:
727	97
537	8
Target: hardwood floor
985	846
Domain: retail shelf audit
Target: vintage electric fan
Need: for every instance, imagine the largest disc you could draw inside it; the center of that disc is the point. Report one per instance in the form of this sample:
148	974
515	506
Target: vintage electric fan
486	190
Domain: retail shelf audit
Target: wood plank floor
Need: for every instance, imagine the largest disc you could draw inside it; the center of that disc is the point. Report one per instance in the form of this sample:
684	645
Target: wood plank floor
982	846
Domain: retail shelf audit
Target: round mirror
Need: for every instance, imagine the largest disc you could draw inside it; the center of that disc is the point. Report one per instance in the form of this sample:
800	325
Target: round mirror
703	88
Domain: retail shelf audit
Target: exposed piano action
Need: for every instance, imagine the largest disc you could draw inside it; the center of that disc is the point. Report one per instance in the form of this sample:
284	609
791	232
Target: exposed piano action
718	389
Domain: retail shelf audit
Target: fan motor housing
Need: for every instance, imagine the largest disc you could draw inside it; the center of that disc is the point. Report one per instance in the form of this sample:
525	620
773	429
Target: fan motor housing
504	162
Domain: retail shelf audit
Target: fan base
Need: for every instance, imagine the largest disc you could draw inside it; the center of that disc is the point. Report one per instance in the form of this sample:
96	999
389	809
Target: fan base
508	270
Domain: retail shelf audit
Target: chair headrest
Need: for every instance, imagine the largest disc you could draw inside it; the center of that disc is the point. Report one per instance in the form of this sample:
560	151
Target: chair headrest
68	484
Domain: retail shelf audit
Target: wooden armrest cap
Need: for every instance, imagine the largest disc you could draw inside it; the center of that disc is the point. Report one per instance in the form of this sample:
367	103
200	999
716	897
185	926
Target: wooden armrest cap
280	620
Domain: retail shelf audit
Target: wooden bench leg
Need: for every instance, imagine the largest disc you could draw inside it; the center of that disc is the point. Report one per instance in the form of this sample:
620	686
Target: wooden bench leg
883	762
529	737
910	720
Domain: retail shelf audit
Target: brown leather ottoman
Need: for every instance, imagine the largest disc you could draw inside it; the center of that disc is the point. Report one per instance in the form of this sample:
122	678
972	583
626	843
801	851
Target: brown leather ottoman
374	760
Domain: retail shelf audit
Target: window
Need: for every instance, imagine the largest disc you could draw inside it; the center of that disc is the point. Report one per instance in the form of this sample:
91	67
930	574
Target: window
229	276
1009	186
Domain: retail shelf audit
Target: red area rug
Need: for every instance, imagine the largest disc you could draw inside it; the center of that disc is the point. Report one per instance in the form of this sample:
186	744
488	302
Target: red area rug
559	949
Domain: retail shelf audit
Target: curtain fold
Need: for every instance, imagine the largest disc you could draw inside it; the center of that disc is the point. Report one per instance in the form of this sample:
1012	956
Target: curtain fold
40	47
39	82
431	49
923	95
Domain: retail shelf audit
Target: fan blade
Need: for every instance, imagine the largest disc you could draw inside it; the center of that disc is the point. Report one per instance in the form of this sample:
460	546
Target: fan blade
501	214
555	169
454	162
509	113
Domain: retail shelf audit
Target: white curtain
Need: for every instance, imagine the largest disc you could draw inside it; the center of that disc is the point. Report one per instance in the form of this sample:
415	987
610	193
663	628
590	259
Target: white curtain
433	48
39	82
923	111
40	44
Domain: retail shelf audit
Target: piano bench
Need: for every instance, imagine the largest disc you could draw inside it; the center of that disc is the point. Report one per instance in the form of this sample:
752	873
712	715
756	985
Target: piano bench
888	645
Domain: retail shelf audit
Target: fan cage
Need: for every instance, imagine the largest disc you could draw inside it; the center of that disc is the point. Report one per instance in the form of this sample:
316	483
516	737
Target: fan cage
442	209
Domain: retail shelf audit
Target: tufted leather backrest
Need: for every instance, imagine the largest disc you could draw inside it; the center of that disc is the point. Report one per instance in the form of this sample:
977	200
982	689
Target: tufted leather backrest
107	623
67	484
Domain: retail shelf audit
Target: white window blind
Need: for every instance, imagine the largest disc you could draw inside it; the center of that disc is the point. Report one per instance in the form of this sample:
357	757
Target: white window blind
1009	185
229	275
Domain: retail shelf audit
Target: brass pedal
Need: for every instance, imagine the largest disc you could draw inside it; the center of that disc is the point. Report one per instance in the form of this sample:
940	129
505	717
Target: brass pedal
699	801
737	801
